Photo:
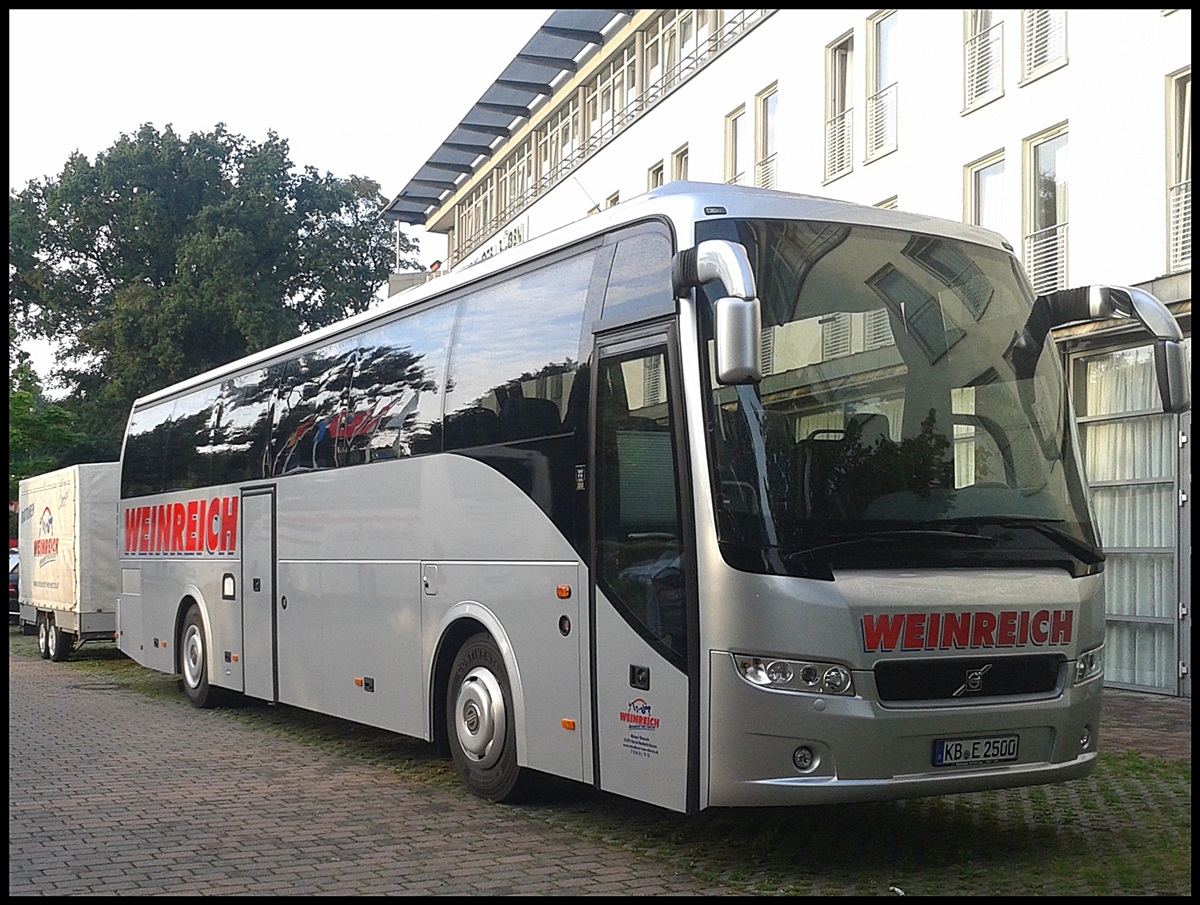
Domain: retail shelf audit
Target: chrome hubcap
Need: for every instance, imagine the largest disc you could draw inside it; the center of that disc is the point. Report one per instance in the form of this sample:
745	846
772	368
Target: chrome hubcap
481	721
193	656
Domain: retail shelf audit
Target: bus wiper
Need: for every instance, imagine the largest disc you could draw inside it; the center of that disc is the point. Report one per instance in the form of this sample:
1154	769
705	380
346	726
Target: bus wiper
895	536
1080	549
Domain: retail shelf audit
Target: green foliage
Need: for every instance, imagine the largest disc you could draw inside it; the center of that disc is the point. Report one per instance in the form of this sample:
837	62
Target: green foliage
38	432
167	257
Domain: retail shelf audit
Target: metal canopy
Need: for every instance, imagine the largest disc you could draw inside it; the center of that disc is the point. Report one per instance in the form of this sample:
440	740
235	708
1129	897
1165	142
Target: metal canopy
555	50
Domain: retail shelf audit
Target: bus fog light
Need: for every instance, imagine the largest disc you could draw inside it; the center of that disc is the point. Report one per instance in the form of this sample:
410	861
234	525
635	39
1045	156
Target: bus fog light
1090	665
837	679
779	672
805	759
1085	738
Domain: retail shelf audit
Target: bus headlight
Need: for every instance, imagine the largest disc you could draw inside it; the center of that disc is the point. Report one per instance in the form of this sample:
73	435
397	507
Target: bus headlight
1090	665
795	675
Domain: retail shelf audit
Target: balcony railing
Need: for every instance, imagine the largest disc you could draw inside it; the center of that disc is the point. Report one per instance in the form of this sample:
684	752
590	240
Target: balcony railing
736	26
881	121
838	145
1181	226
1046	258
764	173
983	66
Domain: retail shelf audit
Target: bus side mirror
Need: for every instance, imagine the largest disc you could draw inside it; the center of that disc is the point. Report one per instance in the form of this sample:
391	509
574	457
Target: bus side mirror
738	313
1170	354
1174	384
1102	302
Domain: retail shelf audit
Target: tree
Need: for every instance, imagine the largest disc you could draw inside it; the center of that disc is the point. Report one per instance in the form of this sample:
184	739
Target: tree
39	433
168	257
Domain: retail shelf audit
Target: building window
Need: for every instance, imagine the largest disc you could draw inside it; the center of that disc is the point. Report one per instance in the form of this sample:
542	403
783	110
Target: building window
882	81
889	204
737	147
654	176
1046	210
559	141
838	111
1043	42
1180	188
835	335
1135	467
610	97
764	139
516	180
679	163
612	200
983	58
877	329
985	193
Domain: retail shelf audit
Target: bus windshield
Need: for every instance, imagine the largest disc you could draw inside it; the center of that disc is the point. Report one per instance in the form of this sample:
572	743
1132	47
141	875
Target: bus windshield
908	414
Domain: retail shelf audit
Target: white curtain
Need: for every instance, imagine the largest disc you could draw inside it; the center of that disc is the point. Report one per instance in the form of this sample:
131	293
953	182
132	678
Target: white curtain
1133	445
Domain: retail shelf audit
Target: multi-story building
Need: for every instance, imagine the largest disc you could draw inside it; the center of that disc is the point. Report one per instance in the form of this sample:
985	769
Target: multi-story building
1067	131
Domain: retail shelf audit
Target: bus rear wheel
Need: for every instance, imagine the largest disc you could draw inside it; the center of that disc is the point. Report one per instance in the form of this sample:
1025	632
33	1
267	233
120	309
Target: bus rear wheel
193	660
480	722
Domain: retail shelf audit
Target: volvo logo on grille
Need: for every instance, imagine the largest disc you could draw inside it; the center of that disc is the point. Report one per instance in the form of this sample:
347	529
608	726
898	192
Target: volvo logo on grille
974	682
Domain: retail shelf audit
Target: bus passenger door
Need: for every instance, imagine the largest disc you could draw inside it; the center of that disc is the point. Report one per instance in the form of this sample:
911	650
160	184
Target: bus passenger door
644	653
258	593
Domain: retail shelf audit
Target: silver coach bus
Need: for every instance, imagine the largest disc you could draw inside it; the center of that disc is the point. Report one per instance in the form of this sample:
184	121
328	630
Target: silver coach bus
721	497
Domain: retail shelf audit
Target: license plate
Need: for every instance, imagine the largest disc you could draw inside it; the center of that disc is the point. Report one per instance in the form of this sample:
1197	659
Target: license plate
951	752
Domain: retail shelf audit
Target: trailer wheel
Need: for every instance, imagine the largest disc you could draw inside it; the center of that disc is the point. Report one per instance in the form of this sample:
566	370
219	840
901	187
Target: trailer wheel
193	661
481	724
58	642
43	633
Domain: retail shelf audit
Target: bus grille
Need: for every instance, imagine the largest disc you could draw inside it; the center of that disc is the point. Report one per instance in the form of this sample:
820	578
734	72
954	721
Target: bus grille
969	679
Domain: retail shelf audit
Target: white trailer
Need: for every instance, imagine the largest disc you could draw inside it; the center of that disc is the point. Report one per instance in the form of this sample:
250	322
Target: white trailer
68	584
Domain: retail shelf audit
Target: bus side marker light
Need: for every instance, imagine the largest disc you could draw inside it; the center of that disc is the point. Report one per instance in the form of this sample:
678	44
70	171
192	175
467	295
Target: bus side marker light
358	682
568	724
564	591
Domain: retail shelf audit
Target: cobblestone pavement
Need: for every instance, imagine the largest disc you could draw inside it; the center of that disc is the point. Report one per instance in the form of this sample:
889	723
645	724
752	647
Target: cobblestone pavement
112	792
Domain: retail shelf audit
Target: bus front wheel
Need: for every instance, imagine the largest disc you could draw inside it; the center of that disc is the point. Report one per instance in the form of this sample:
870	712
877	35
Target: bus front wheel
480	722
193	661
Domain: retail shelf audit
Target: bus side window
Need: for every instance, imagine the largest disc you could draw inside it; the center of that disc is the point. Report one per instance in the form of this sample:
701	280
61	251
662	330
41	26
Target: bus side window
639	284
142	460
187	462
516	356
398	391
240	428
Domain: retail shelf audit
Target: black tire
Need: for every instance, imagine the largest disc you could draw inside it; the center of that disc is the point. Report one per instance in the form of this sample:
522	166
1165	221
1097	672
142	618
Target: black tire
58	642
193	661
481	725
43	635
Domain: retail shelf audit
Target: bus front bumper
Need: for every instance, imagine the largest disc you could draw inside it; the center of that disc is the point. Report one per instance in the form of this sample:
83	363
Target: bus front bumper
769	747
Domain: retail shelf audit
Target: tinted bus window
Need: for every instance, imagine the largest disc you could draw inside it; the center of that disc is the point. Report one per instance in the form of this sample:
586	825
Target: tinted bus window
188	459
311	410
515	356
240	428
396	396
639	284
142	460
